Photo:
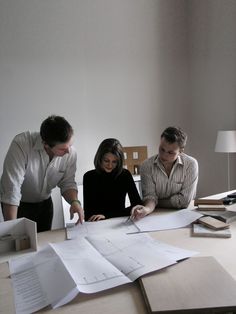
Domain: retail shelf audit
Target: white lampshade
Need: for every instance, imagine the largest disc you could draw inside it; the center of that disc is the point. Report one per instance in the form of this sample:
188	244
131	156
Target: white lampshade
226	142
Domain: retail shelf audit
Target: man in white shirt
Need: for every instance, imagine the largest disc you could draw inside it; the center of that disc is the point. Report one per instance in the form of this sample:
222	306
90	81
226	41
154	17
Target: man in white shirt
35	164
168	179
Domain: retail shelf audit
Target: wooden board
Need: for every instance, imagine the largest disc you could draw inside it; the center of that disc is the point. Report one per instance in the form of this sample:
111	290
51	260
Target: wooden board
199	284
213	223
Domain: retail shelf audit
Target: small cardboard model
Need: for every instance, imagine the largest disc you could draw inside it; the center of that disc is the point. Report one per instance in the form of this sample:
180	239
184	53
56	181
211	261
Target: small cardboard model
17	235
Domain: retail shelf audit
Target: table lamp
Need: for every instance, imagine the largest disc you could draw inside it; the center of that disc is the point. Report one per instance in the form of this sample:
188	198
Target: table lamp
226	143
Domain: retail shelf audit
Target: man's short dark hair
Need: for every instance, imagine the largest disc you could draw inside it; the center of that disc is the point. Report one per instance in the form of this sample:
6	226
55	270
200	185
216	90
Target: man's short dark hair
55	130
175	134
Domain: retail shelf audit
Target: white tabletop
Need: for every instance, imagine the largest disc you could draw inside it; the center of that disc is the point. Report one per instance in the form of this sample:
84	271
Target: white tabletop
128	298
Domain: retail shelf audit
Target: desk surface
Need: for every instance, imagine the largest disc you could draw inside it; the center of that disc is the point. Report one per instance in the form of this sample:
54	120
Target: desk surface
127	298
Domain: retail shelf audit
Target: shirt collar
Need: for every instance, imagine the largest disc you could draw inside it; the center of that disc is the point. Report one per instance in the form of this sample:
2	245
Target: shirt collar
179	160
38	143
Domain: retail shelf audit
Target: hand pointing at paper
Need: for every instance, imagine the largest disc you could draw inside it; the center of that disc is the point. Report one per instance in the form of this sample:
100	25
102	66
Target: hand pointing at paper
140	211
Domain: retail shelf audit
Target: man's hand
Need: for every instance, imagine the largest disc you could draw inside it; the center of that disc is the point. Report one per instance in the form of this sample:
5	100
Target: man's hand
97	218
76	208
139	211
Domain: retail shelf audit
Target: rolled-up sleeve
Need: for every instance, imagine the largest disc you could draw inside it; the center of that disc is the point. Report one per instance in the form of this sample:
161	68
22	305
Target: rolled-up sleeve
68	181
14	168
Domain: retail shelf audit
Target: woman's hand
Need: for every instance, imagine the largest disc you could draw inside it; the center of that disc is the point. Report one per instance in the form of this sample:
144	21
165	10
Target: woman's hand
97	218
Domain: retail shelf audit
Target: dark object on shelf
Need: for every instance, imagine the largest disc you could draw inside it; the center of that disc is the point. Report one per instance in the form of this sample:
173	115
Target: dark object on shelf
229	200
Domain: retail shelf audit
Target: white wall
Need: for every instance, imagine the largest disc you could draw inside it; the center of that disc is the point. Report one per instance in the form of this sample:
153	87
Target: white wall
112	68
212	46
124	69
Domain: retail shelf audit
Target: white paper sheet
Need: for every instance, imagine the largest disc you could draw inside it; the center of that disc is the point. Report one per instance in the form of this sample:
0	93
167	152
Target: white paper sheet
89	269
173	252
28	294
37	280
137	254
133	255
60	270
179	219
119	224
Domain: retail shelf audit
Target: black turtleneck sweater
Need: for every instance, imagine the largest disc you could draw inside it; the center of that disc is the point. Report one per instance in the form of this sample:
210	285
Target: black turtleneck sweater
104	193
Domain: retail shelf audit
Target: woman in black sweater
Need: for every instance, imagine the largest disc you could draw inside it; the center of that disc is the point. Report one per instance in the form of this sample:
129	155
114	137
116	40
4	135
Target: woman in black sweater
105	188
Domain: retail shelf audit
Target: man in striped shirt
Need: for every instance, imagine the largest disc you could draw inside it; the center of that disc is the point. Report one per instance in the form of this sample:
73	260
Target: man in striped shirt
35	164
168	179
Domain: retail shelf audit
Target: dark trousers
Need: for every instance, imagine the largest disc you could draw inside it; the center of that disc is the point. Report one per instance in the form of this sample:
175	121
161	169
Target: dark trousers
41	213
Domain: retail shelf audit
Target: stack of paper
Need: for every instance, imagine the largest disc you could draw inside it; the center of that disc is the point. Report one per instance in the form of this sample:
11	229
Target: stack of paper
178	219
170	220
203	231
119	224
57	273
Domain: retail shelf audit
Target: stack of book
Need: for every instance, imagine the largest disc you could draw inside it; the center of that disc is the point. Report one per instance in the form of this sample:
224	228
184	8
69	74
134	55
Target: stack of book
208	226
216	219
209	204
216	209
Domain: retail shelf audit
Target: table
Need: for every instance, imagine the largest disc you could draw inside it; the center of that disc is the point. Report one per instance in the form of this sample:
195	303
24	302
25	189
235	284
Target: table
224	250
128	298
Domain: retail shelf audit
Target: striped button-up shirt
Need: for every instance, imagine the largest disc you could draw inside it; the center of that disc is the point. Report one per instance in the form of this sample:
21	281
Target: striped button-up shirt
29	175
175	191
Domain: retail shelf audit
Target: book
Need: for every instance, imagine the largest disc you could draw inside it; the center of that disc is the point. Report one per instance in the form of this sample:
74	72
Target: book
225	216
196	285
213	223
207	207
205	201
223	201
199	230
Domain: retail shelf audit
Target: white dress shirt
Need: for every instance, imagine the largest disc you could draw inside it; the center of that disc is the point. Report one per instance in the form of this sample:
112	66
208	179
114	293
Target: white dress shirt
175	191
29	175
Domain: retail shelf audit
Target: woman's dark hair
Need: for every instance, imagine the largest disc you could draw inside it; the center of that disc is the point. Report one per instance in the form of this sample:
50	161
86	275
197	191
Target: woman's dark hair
113	146
55	130
175	134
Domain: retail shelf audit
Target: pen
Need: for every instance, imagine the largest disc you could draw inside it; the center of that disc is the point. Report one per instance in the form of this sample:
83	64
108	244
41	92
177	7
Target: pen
129	219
